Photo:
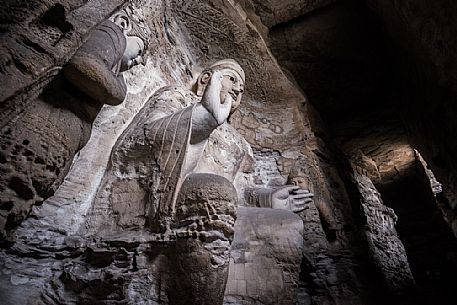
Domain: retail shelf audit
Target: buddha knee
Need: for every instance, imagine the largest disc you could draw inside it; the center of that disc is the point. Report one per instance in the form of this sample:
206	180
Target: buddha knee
206	205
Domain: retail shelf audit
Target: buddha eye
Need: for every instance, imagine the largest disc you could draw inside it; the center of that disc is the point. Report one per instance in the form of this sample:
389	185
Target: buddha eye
232	79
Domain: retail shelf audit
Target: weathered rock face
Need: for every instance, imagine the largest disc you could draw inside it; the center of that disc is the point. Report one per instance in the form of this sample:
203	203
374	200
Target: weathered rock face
425	48
39	38
35	158
47	117
381	151
265	255
336	54
91	242
386	249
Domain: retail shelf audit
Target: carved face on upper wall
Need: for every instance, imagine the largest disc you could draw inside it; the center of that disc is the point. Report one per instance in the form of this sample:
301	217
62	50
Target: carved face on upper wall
137	36
232	84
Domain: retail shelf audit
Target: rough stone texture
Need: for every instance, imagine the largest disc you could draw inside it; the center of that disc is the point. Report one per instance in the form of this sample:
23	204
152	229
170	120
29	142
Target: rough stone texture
93	69
381	151
386	249
265	257
346	245
425	48
35	158
39	37
43	123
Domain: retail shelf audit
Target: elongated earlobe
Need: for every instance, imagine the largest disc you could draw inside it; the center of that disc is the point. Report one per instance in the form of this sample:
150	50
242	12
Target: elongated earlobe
203	80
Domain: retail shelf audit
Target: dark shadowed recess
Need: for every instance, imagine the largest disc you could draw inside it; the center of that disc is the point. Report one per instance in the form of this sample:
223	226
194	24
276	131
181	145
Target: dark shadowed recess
430	245
346	60
339	56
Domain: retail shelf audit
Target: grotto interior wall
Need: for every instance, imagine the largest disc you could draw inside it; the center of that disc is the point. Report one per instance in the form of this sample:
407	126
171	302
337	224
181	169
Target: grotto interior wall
40	138
427	70
375	72
429	242
319	92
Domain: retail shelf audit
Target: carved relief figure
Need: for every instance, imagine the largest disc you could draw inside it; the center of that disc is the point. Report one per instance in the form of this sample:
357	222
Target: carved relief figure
303	176
114	46
137	36
320	214
157	180
41	136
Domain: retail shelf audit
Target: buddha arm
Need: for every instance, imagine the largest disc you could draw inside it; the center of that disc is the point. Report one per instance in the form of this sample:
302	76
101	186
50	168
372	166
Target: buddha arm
258	197
203	124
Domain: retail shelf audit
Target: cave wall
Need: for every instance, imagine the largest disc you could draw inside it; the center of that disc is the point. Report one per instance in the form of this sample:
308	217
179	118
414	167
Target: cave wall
73	248
39	37
40	132
361	73
51	227
422	36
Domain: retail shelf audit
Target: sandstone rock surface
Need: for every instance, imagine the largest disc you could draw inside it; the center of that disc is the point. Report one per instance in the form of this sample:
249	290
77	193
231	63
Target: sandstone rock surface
320	108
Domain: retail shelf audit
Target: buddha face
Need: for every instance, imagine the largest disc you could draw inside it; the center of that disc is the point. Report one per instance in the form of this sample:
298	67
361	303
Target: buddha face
299	181
136	33
232	85
133	53
232	88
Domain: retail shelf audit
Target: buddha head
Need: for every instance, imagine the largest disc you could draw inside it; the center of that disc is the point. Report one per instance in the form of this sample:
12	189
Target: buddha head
232	84
136	34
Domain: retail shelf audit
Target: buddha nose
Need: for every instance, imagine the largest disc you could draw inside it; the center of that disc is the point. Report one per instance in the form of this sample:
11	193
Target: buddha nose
237	88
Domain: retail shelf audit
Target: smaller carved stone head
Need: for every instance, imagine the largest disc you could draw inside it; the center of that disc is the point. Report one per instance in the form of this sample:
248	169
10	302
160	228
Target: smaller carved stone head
136	33
232	82
299	175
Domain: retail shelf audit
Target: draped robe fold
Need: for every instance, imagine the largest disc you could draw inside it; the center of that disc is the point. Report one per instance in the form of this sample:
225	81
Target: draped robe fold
169	139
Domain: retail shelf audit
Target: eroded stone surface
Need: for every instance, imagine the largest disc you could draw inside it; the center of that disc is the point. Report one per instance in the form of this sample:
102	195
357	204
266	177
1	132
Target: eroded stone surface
386	249
61	257
425	49
42	131
265	257
42	36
